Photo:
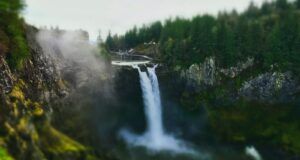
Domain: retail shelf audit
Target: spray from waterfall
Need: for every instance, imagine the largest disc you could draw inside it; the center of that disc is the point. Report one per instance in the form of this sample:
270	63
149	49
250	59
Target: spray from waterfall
252	152
155	137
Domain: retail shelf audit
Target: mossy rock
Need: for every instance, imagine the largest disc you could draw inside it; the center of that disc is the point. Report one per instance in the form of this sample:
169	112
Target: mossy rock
58	146
18	99
17	92
4	155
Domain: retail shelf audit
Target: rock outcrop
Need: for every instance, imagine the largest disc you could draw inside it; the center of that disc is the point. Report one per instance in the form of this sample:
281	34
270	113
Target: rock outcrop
42	72
25	109
270	87
201	74
208	73
233	72
6	77
266	87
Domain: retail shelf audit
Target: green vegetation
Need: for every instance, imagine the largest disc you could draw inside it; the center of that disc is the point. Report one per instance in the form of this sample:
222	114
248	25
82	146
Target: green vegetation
4	155
134	37
12	39
23	116
270	34
55	142
262	124
103	52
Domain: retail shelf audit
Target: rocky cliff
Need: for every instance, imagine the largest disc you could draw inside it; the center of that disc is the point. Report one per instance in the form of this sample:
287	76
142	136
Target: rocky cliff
25	114
246	81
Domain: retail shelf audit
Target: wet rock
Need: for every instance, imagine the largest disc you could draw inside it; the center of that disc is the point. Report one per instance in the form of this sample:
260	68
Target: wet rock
6	77
270	87
201	74
266	87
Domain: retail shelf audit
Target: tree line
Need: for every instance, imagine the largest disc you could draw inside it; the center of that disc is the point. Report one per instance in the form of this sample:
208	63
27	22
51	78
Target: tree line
269	33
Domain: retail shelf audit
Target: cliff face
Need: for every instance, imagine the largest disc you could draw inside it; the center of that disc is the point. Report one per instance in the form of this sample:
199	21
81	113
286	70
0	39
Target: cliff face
26	96
244	81
201	74
258	106
7	79
271	87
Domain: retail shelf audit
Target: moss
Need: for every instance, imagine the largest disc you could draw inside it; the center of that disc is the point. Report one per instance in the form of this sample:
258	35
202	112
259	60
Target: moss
55	142
4	155
18	99
10	130
38	112
17	92
23	124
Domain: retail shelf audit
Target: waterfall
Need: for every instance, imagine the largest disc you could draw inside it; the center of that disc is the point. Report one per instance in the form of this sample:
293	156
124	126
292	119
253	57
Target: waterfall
155	137
151	97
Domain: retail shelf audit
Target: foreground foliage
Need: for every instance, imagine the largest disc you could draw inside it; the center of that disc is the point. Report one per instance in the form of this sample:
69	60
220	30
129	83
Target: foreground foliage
12	36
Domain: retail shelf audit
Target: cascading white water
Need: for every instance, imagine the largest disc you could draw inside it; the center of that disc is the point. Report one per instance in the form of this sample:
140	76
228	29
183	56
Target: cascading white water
152	104
155	137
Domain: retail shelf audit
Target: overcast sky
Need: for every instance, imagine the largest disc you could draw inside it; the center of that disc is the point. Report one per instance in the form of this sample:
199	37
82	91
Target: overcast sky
119	15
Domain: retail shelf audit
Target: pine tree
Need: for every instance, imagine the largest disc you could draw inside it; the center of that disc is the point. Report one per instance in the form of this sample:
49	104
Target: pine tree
110	42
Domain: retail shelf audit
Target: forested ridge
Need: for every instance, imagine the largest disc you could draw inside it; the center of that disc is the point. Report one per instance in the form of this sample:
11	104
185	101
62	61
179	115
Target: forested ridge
269	33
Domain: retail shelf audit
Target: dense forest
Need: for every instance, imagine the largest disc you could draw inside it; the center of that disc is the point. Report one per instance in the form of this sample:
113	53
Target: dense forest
270	34
12	38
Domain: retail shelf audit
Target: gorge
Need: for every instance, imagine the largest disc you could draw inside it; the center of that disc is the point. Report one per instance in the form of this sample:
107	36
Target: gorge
209	87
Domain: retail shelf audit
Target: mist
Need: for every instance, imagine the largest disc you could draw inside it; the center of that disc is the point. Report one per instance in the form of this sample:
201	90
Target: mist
76	58
71	47
86	113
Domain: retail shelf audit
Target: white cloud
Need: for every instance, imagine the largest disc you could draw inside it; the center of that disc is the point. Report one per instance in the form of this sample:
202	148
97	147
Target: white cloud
119	15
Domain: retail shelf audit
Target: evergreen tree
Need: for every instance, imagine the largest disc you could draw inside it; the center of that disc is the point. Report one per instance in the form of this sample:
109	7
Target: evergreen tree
297	2
13	27
282	4
110	42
